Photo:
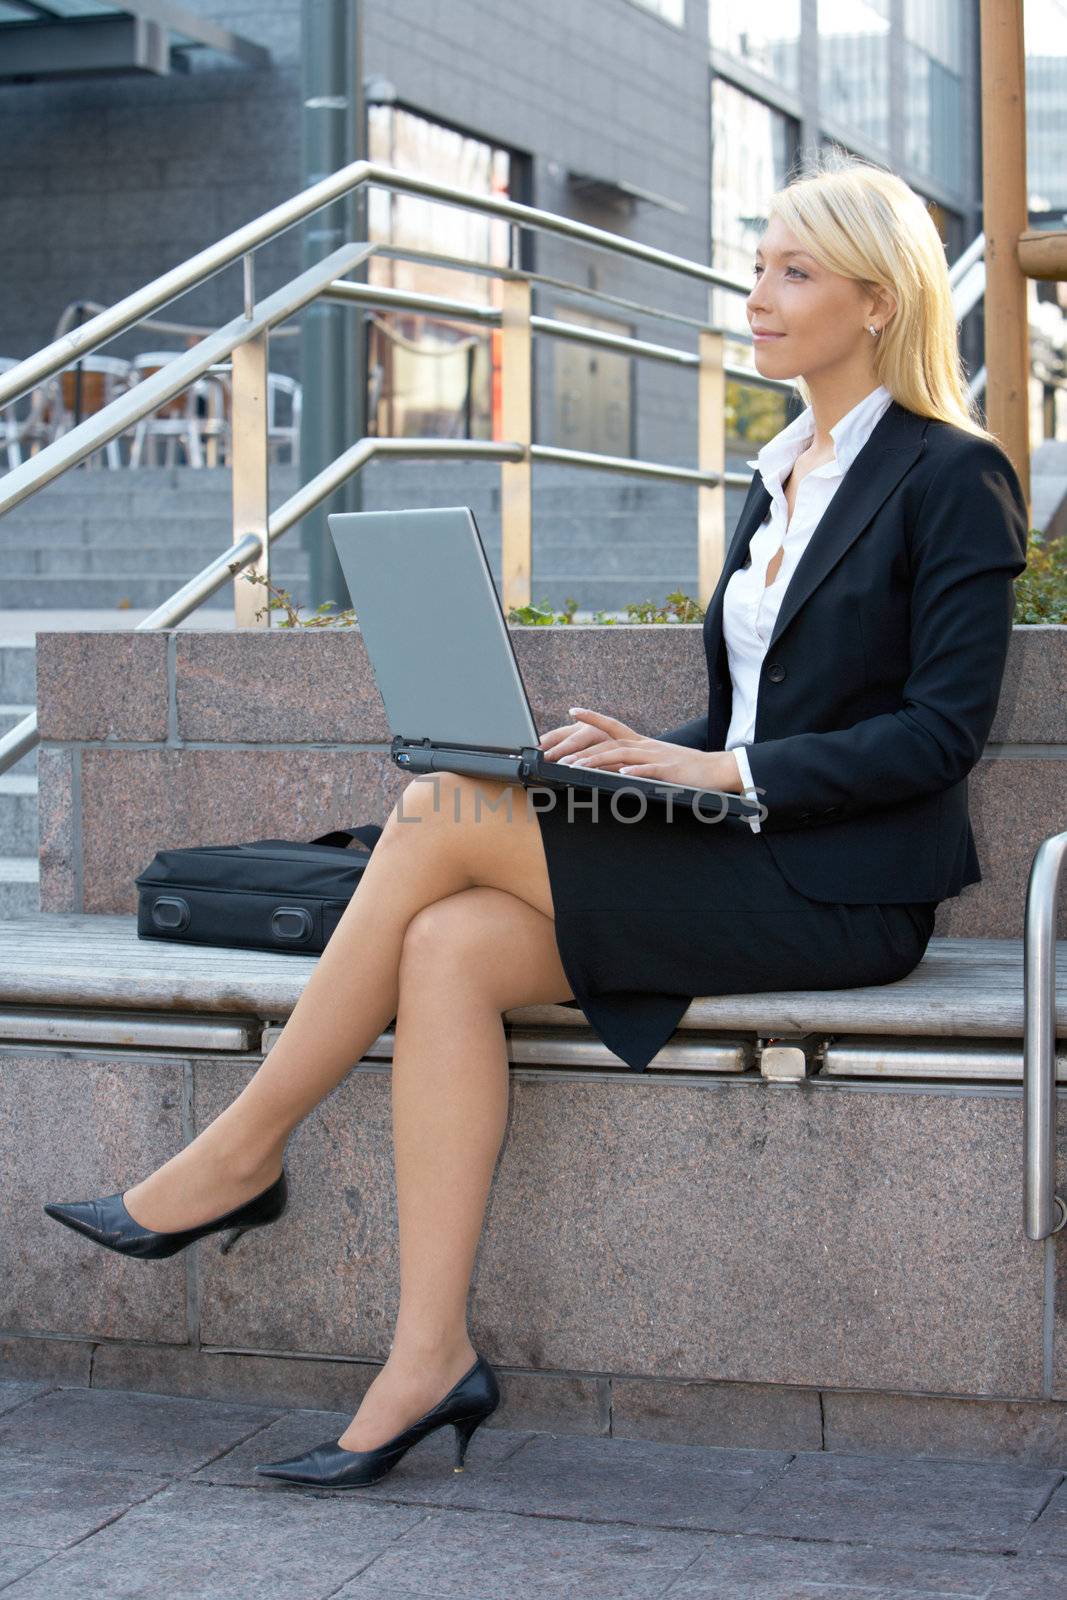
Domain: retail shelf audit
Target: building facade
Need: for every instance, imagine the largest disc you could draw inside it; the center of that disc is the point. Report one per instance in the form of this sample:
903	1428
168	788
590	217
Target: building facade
668	121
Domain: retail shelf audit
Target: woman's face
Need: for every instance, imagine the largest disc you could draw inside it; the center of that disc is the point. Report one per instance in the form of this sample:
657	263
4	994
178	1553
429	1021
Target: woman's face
813	319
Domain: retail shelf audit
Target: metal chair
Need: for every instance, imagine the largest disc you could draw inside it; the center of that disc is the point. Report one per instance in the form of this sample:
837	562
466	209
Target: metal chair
80	391
282	435
181	420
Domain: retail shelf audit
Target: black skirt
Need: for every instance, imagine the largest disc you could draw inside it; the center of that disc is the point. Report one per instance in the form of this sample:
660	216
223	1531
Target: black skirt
651	912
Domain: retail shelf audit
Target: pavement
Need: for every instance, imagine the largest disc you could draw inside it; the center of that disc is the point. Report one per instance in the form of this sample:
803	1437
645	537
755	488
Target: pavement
22	627
109	1493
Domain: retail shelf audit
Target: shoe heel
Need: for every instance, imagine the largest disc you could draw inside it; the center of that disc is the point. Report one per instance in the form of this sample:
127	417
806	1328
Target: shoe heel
231	1238
464	1430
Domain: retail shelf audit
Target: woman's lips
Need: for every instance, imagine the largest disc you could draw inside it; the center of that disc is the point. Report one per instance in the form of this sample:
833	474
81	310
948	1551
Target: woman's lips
761	338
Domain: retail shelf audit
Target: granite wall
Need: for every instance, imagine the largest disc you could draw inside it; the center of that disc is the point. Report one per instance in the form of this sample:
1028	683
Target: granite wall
157	740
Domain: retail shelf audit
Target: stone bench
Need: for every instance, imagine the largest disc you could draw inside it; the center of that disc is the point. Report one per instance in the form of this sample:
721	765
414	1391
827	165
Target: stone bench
802	1228
694	1254
77	979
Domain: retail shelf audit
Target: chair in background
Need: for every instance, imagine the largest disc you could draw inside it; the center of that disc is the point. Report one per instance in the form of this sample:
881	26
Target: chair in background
25	423
192	419
77	395
282	435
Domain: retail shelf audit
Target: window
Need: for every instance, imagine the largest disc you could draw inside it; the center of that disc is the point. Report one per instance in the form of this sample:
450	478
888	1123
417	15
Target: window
752	148
431	374
1045	22
933	90
592	389
854	66
670	10
765	37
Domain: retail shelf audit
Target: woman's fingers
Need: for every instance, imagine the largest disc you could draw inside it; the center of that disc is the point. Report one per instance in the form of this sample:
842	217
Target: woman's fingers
567	740
589	729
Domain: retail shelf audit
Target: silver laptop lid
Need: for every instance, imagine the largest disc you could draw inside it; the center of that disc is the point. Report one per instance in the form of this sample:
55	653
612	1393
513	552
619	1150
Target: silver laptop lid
433	625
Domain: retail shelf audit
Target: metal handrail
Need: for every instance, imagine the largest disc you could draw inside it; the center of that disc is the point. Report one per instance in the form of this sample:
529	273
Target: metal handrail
125	313
171	379
226	566
1040	1200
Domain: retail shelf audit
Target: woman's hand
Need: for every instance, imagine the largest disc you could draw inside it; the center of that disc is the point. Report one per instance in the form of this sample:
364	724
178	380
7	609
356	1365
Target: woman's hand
589	732
606	743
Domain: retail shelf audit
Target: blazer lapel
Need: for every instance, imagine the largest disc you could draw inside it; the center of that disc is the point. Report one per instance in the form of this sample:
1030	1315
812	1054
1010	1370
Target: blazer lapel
896	441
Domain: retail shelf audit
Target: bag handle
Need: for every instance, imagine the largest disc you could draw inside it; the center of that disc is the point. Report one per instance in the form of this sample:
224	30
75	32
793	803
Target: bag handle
368	835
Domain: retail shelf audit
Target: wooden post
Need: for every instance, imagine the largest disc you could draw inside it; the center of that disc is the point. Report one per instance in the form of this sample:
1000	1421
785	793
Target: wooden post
516	378
251	465
711	457
1004	201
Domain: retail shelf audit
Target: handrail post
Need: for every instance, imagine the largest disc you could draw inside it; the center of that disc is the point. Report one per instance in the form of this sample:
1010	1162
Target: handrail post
251	466
711	457
1044	1212
516	376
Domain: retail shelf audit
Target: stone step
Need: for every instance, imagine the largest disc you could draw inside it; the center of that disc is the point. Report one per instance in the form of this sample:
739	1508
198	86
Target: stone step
184	530
72	560
18	815
642	562
18	671
19	886
10	716
117	590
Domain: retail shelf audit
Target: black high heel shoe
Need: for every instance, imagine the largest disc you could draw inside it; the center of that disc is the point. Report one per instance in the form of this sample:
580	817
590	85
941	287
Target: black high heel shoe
107	1222
328	1465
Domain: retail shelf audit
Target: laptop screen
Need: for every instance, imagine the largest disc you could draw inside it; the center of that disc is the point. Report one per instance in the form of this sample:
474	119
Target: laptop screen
433	625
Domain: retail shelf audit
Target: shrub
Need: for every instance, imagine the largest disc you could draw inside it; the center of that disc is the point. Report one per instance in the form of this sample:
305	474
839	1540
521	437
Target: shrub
1040	596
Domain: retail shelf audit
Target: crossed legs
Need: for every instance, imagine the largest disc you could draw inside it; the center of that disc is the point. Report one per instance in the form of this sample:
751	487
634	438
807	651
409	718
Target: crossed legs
452	924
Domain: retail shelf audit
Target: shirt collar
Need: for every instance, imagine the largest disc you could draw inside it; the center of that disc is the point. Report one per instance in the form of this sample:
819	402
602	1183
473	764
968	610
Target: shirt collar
775	459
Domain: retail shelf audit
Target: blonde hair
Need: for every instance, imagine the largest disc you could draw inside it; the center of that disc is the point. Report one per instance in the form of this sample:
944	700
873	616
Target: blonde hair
865	223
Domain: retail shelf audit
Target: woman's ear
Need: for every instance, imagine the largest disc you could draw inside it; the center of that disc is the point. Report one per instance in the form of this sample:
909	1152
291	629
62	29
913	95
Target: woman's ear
883	304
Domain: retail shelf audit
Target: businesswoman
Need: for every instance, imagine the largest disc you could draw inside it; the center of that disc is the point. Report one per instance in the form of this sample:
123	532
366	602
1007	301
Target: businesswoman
855	646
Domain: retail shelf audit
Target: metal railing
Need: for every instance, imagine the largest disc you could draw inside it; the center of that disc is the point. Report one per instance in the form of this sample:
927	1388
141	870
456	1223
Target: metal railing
254	529
1040	1200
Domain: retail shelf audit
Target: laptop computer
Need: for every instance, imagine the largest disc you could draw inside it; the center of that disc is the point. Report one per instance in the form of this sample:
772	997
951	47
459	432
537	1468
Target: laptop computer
435	632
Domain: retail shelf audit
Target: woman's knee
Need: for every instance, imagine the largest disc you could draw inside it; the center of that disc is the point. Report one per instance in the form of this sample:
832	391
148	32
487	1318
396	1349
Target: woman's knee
490	939
446	932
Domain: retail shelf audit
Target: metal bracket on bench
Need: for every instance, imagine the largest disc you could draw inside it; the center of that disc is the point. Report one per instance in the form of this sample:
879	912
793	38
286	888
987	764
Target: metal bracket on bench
790	1057
1044	1211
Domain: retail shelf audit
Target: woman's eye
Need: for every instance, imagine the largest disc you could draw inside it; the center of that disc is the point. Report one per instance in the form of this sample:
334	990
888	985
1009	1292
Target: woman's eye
758	269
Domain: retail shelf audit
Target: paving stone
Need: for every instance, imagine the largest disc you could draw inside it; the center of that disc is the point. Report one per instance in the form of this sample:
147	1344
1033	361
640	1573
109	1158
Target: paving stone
193	1542
423	1474
15	1559
492	1555
47	1504
622	1480
130	1432
927	1504
14	1392
742	1568
1030	1580
1047	1534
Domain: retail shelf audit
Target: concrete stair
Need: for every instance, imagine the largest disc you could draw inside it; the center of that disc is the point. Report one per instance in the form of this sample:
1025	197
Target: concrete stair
110	540
18	786
100	548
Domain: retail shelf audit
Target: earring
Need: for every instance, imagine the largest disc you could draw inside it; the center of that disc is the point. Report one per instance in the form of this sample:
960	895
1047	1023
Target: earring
872	330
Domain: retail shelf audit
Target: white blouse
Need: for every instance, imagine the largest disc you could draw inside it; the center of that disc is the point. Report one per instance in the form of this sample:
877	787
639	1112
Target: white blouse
750	604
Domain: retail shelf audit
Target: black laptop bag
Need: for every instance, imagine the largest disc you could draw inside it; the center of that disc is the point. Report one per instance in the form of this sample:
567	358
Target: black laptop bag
272	894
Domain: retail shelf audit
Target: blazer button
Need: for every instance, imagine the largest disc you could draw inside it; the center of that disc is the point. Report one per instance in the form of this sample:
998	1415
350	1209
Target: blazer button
776	672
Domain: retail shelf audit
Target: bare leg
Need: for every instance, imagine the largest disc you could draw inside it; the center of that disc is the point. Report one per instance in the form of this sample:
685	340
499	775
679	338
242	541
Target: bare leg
465	960
426	853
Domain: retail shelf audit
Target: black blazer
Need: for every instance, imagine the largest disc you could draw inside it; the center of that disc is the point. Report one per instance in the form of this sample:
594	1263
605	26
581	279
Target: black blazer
884	667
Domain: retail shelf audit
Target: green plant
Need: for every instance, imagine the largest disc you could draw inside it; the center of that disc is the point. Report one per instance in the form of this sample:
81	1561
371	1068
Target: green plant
1040	596
284	602
1041	591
